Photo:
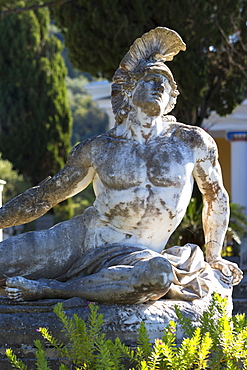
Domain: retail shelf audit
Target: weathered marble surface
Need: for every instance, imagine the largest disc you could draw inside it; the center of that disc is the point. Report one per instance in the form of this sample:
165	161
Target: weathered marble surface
19	320
143	172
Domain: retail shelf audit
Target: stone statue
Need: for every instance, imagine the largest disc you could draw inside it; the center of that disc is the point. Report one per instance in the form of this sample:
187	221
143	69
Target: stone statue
143	172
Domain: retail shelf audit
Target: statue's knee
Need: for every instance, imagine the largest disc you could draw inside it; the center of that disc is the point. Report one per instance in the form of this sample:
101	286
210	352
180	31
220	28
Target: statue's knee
156	274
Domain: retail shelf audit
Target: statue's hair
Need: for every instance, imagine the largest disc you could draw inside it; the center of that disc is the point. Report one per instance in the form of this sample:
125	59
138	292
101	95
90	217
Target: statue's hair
148	53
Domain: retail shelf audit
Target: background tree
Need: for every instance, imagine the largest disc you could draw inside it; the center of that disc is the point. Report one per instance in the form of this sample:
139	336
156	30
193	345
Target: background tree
34	112
8	7
88	119
210	74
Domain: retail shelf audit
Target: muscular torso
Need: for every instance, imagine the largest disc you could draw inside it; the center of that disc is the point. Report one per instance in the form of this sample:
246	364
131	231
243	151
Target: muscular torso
142	187
143	190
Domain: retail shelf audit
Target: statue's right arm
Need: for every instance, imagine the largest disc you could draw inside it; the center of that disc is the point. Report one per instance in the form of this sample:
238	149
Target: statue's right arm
36	201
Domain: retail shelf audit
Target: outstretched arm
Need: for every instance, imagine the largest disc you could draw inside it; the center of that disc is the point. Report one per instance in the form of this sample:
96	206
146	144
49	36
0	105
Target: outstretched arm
35	202
215	215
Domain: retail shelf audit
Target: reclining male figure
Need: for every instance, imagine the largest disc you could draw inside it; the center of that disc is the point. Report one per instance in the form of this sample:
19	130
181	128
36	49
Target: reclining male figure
143	172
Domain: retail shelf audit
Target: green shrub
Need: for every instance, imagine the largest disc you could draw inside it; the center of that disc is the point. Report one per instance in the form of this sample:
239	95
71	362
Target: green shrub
217	342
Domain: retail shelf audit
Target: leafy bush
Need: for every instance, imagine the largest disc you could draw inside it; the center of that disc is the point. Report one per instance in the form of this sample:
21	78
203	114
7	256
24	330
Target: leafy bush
217	342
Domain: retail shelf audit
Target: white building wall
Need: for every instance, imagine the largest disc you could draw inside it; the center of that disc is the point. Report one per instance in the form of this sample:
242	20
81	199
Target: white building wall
239	172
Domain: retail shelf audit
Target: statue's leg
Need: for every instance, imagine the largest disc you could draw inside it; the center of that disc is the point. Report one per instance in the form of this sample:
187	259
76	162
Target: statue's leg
43	254
147	279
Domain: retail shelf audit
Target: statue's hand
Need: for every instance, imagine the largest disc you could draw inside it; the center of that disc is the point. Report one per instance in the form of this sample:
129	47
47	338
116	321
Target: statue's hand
230	270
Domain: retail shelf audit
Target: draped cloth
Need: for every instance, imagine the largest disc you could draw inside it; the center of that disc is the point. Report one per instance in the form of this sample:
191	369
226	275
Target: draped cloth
193	277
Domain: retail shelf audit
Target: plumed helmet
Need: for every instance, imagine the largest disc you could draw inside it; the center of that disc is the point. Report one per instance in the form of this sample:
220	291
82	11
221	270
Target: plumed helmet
149	52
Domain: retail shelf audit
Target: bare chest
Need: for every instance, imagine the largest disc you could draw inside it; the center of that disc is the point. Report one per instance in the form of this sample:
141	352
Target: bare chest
161	163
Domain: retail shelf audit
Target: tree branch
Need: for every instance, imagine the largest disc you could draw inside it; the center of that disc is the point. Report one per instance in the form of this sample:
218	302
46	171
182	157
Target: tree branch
231	58
33	7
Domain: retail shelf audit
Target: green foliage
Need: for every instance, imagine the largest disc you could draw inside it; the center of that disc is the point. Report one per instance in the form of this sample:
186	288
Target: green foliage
238	222
143	341
211	73
15	183
226	336
35	121
17	364
7	6
42	362
217	342
88	119
190	229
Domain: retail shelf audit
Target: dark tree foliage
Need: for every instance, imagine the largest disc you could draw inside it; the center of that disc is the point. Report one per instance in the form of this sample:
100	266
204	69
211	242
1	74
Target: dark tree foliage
35	121
210	74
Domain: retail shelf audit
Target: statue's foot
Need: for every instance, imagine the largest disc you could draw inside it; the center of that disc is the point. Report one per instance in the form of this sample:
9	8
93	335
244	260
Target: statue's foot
21	289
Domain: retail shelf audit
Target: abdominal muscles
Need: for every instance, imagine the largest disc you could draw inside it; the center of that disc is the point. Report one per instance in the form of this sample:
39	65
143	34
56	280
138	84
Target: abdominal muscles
146	214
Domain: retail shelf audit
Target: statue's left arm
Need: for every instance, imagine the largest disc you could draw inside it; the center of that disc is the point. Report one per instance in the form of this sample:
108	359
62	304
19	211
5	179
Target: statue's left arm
215	215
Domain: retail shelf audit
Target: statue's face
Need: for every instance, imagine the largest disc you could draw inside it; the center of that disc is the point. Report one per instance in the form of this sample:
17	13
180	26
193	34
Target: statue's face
152	94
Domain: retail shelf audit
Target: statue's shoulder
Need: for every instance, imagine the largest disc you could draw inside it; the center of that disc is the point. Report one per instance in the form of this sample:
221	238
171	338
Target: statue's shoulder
92	141
194	136
84	151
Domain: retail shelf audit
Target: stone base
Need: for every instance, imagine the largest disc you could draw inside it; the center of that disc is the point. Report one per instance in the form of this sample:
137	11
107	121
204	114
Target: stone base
19	322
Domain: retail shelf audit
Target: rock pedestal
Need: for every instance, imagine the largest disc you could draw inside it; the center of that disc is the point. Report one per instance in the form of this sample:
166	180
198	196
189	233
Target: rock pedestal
20	321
